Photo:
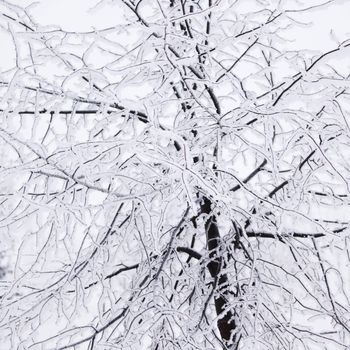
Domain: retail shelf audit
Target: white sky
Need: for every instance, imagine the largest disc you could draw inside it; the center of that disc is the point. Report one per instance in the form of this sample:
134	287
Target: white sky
86	15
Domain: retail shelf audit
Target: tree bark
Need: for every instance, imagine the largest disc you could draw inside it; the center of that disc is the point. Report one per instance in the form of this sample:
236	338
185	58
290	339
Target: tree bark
226	324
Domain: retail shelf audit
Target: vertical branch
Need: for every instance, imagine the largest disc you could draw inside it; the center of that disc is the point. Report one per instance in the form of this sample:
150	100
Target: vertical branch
226	322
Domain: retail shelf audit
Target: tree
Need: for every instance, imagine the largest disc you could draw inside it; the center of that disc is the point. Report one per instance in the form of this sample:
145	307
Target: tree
179	180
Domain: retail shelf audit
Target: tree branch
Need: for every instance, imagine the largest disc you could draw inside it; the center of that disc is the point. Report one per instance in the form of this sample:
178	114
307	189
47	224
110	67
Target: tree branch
192	253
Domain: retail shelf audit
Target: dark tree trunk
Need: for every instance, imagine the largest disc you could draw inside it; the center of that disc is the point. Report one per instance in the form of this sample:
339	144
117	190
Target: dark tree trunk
226	324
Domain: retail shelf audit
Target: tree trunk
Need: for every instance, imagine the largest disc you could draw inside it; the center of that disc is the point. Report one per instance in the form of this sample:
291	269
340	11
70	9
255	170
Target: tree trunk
226	324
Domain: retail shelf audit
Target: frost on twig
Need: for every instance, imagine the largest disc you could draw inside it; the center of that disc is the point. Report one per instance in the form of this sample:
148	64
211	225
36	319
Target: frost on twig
173	176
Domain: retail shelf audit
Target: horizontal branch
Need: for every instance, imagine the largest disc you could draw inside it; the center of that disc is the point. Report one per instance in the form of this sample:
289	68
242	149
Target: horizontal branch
323	194
141	116
293	234
192	253
123	269
65	112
